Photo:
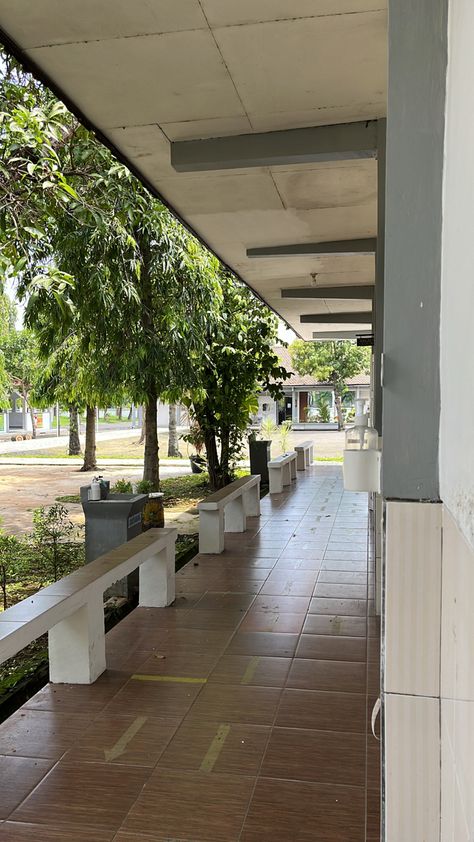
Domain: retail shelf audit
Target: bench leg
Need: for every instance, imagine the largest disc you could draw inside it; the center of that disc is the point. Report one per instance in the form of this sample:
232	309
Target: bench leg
252	501
77	645
301	460
293	469
235	516
157	579
275	480
211	531
287	474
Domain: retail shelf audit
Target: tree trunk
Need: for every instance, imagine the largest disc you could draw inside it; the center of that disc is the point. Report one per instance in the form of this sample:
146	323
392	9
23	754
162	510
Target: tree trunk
130	413
151	464
90	463
74	443
143	431
340	416
33	420
118	412
213	463
172	432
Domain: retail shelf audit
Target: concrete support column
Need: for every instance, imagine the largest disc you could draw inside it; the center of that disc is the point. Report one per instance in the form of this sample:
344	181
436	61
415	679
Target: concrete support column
411	595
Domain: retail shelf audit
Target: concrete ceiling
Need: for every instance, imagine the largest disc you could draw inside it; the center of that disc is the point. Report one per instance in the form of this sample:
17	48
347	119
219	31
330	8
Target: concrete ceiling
154	71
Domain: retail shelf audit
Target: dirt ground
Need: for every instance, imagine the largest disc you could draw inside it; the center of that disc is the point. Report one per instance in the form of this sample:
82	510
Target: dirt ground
24	488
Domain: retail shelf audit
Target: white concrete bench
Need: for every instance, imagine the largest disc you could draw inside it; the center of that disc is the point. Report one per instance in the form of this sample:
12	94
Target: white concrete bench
227	510
304	455
281	471
72	610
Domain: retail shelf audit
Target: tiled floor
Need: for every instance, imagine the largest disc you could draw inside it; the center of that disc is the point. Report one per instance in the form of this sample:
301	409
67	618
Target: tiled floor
240	714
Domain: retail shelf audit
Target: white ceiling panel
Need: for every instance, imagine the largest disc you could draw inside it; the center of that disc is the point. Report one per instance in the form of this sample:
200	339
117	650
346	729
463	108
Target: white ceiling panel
217	127
37	23
223	194
145	146
135	81
324	116
328	187
228	12
337	61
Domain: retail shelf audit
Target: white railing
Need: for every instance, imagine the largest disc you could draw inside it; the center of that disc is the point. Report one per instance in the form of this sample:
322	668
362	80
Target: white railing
72	609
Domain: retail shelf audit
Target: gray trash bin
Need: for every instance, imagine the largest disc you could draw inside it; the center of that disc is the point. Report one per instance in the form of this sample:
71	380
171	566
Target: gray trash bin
259	452
110	522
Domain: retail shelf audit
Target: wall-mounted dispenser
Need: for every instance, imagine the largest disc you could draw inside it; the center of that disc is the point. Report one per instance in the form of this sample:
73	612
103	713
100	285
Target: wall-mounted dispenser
362	457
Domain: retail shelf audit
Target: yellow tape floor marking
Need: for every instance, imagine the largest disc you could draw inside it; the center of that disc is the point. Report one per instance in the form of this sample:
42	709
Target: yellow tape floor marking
173	679
215	749
122	743
250	671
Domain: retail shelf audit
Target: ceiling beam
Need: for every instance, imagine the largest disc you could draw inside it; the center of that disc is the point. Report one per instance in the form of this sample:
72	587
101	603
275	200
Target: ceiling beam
341	142
324	335
337	318
355	293
346	247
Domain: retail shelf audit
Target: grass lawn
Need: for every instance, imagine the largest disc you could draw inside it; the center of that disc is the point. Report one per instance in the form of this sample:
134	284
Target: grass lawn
179	492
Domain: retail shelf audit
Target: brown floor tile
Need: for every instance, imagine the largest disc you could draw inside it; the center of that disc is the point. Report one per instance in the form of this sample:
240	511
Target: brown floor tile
211	619
286	811
187	600
291	583
341	607
40	733
326	624
346	566
331	648
251	670
154	698
18	776
128	740
318	756
236	703
322	710
373	815
186	641
373	763
282	604
121	659
217	747
194	665
340	676
271	621
92	795
20	832
79	698
225	600
339	591
263	643
342	577
304	564
191	806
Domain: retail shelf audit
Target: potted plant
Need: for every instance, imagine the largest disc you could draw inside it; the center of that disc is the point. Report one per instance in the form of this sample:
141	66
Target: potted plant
196	439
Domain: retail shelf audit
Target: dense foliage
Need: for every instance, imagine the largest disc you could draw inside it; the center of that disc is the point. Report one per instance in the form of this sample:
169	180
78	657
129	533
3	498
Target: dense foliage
238	363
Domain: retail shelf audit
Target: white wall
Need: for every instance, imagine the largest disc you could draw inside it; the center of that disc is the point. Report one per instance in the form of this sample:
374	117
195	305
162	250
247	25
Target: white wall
457	284
457	435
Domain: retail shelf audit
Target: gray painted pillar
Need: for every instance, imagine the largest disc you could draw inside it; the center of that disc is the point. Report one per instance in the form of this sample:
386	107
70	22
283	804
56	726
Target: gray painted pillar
379	275
415	147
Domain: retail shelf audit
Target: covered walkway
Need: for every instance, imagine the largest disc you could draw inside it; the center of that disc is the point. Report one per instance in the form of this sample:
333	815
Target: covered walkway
241	713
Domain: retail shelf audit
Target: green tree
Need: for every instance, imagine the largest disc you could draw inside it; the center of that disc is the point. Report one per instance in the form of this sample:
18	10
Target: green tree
52	538
331	362
238	363
35	130
22	364
13	565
